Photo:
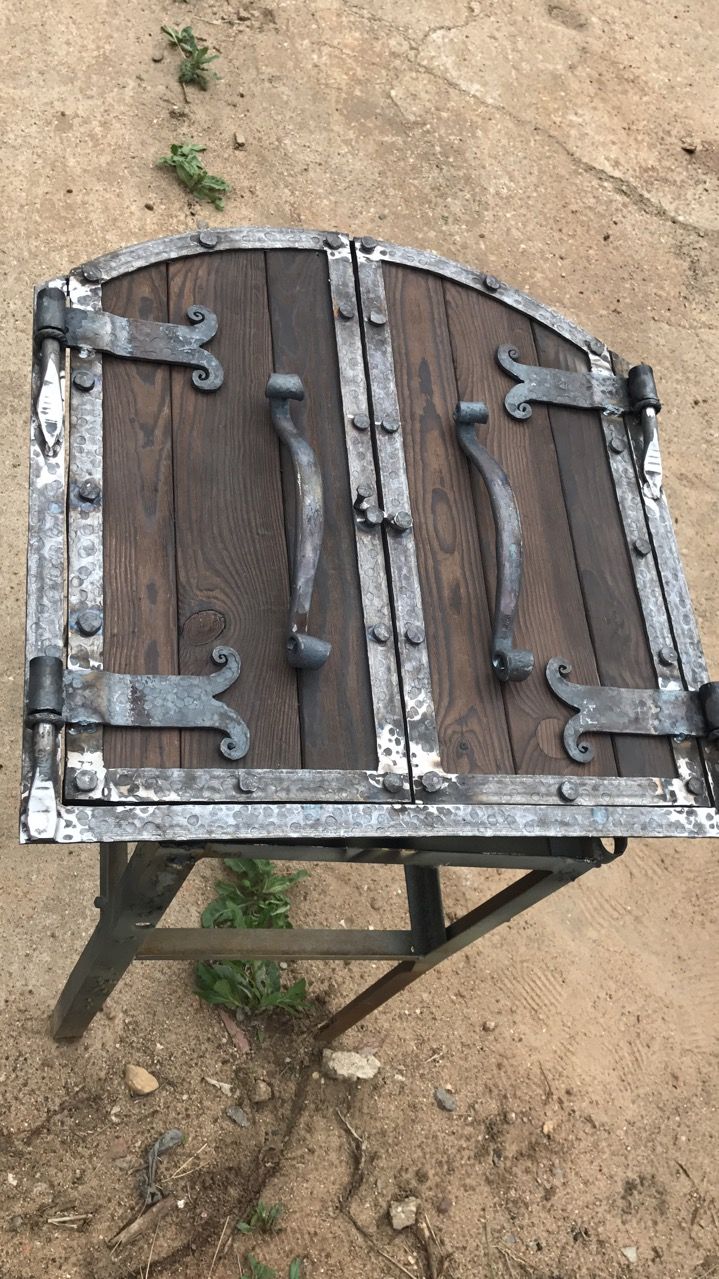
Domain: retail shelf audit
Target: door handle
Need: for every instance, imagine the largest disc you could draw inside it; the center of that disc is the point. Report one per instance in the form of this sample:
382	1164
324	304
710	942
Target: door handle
509	663
303	651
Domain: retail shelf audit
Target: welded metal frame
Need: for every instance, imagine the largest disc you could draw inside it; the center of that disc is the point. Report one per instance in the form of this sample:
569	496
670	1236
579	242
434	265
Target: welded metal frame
142	804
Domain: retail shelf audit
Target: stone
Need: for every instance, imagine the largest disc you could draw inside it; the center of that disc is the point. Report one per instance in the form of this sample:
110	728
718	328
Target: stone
337	1064
157	56
140	1082
238	1116
548	1127
220	1085
403	1212
444	1099
630	1253
489	1025
239	140
261	1092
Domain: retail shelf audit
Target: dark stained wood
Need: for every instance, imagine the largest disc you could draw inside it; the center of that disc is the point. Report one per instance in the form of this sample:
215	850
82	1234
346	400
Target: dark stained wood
551	620
607	580
336	716
231	550
140	604
468	702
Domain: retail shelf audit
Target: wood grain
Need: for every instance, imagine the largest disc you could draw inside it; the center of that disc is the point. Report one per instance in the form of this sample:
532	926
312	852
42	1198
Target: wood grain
470	716
138	520
336	715
607	580
231	550
551	620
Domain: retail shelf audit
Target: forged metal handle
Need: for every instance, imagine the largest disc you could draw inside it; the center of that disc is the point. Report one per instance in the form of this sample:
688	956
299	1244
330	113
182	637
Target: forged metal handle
509	663
303	650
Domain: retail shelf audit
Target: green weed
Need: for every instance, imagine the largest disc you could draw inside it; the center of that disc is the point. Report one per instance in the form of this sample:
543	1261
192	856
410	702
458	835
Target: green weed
196	58
191	172
264	1217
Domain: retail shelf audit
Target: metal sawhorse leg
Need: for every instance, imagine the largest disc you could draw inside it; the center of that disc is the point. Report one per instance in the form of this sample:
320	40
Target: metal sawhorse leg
135	894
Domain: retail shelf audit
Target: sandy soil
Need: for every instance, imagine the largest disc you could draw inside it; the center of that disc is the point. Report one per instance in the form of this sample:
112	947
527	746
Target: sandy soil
572	149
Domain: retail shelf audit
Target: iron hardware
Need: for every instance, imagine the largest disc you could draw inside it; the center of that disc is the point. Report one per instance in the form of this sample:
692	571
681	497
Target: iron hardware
59	325
509	663
635	393
651	711
304	651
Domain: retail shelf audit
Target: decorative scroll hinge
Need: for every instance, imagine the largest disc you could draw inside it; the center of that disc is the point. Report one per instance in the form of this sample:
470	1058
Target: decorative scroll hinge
635	393
58	325
56	696
652	712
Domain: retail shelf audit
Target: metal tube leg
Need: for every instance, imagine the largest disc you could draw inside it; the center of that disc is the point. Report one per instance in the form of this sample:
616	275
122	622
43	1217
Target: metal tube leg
511	901
136	900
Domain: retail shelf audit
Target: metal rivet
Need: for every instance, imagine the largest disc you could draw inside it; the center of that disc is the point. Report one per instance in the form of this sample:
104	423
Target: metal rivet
595	346
100	903
208	239
381	633
432	782
88	490
346	310
368	243
378	318
667	656
86	779
89	621
393	783
247	785
91	273
642	546
373	517
363	493
361	422
695	786
617	444
491	282
414	634
83	380
333	240
401	521
389	424
568	791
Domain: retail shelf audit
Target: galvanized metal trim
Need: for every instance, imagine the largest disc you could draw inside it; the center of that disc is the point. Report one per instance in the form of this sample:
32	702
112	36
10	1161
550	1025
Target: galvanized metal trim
401	551
216	239
400	823
222	785
384	678
83	747
45	604
424	260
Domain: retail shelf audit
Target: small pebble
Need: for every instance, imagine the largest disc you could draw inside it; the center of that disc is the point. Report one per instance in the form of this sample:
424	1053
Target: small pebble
238	1116
16	1223
403	1212
261	1092
489	1025
140	1082
548	1127
240	141
158	56
444	1099
690	146
347	1065
149	205
444	1206
630	1253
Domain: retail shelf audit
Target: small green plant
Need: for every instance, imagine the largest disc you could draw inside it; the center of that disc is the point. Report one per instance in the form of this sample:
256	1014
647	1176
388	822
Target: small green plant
264	1217
295	1271
257	1269
196	57
184	158
256	898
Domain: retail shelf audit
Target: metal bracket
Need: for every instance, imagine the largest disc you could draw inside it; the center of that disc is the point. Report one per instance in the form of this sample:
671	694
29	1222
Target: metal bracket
508	662
58	696
130	338
652	712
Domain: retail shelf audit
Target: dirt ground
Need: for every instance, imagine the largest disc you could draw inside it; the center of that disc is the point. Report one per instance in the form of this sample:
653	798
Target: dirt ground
572	149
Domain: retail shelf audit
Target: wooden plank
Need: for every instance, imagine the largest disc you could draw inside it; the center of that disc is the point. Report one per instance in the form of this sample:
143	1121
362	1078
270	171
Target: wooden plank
607	580
140	603
336	715
232	575
471	722
551	621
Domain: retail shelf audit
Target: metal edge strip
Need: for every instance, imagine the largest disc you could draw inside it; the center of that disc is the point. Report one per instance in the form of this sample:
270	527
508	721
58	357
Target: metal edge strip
401	550
211	239
84	747
397	822
45	581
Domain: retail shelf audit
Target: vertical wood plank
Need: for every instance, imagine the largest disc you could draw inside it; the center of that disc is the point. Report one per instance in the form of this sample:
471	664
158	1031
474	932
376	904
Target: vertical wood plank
336	715
138	520
551	621
470	716
232	572
610	598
